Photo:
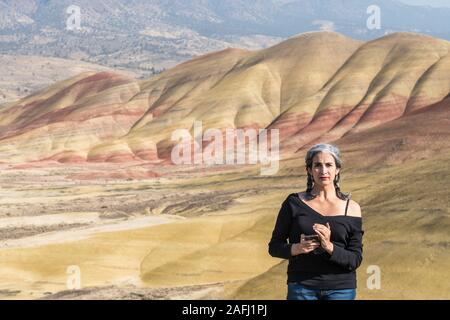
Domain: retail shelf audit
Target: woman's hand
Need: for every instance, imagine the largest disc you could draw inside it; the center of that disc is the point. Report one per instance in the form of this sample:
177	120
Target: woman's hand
304	246
324	233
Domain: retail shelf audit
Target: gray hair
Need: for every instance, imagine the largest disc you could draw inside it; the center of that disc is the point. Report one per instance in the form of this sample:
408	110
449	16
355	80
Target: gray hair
334	151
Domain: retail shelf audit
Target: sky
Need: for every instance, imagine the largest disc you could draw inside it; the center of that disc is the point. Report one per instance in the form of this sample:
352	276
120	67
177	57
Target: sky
434	3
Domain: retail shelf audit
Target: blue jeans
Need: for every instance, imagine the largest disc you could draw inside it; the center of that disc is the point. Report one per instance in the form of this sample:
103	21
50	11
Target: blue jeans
299	292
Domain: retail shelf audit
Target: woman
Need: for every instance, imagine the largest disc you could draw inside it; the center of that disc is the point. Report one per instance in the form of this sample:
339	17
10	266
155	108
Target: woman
321	268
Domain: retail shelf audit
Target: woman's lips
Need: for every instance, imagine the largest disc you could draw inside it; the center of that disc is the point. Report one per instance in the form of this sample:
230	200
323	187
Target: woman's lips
323	178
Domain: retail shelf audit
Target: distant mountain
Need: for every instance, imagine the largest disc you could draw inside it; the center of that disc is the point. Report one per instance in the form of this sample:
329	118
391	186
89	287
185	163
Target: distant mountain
141	34
22	75
432	3
318	86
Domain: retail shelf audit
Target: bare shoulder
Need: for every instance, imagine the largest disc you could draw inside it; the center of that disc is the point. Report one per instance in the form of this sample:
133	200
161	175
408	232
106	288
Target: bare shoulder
354	209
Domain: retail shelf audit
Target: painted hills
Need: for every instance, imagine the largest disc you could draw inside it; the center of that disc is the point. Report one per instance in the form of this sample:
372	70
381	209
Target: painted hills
315	86
385	103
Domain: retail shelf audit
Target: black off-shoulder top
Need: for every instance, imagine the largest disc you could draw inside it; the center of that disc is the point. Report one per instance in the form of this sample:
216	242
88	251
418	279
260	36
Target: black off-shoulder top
318	269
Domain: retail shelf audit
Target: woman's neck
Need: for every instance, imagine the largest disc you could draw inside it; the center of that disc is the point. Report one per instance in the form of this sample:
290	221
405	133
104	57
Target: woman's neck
324	194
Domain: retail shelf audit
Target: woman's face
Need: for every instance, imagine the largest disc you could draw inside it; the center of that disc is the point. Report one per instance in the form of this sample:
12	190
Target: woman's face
323	169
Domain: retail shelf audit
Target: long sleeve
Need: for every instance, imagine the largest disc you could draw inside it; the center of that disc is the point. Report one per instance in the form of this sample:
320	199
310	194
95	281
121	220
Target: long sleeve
278	245
350	257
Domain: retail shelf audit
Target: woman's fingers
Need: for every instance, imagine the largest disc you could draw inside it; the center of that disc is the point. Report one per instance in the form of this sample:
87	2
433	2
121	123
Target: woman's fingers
320	227
322	230
320	233
311	248
310	244
322	237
